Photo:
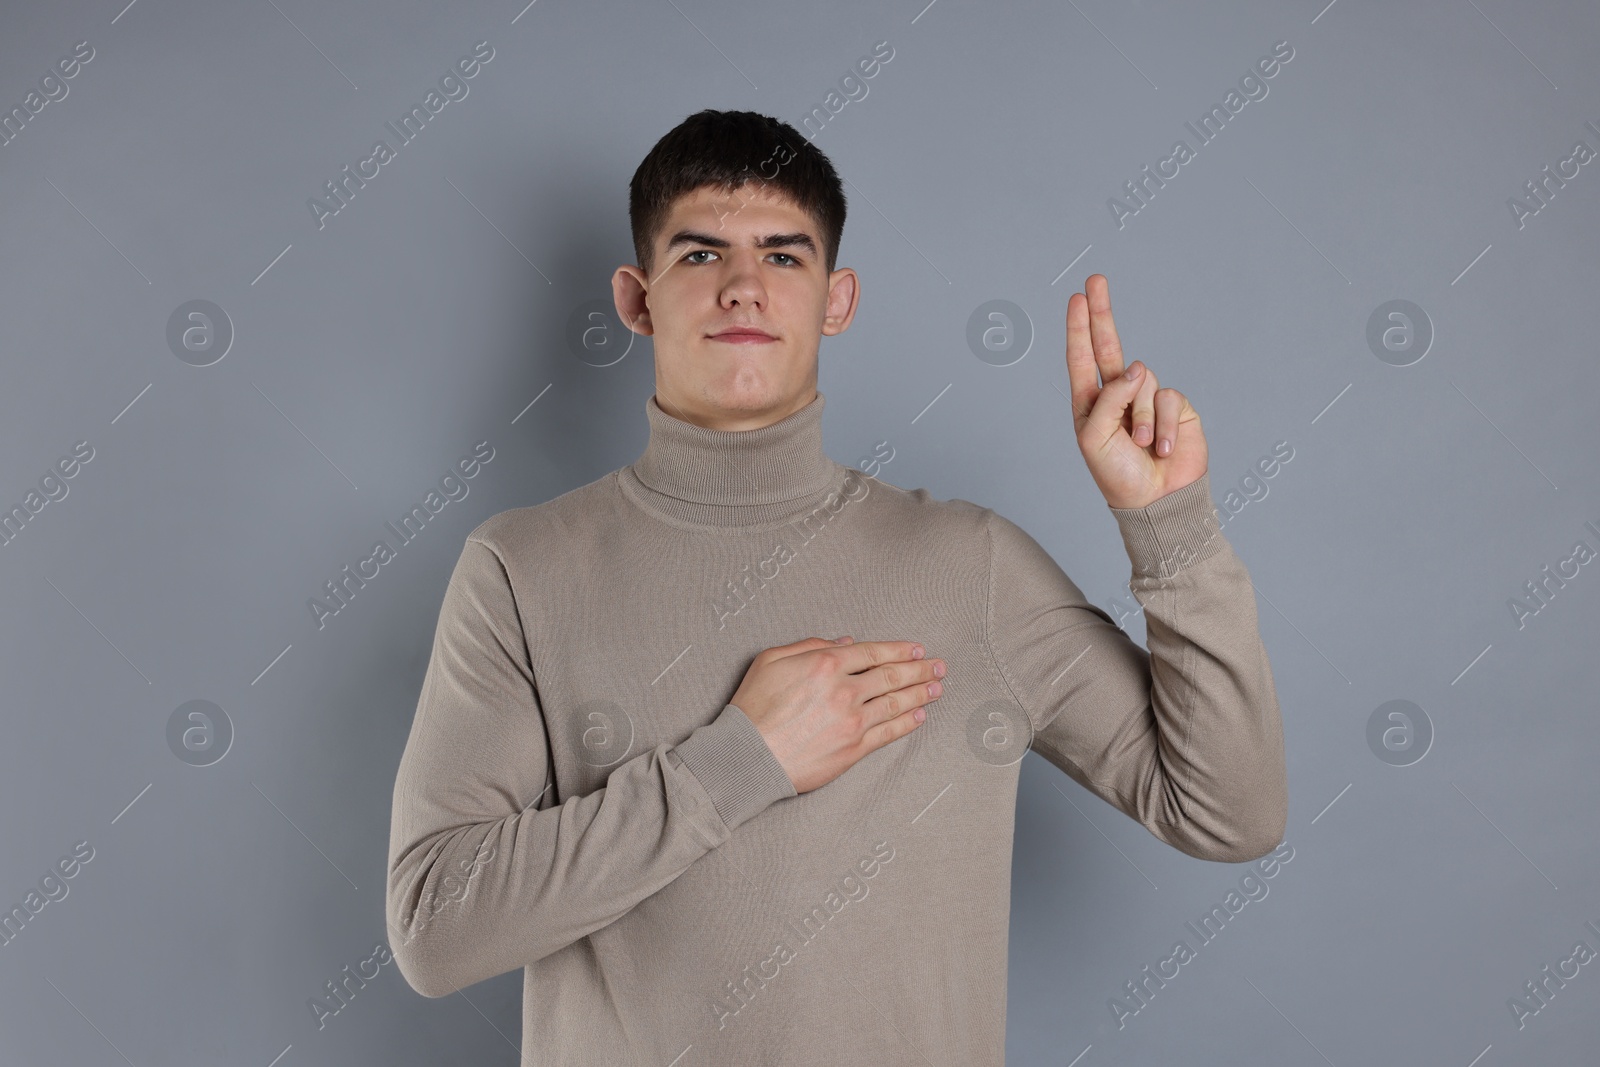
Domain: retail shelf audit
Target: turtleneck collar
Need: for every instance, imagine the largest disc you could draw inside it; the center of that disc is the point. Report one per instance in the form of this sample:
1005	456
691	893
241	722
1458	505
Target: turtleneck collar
705	477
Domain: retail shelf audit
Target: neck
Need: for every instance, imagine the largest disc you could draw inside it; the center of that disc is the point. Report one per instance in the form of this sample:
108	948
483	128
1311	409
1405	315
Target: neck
715	419
712	477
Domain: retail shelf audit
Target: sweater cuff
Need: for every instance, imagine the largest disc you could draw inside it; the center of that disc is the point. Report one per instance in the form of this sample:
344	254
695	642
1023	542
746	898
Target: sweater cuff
735	766
1172	532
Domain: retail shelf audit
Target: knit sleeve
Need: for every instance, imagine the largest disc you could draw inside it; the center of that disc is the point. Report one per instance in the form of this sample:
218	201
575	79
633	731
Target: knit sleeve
1185	738
486	872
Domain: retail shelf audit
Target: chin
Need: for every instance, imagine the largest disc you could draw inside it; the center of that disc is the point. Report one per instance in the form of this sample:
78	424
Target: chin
748	389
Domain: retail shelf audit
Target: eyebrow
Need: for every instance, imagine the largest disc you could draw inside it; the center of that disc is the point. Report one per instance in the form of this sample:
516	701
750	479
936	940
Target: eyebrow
771	240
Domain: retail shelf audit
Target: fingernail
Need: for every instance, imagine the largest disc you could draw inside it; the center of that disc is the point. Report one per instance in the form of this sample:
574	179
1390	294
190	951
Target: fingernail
1164	446
1133	371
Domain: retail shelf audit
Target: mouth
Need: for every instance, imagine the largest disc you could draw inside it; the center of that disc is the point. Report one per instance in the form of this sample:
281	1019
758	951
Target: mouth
743	336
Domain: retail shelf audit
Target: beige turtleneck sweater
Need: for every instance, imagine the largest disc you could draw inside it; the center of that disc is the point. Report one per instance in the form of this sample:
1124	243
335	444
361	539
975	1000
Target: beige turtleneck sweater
577	797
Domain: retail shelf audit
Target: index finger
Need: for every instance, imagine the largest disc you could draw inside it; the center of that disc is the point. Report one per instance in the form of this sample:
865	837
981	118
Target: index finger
1102	330
864	655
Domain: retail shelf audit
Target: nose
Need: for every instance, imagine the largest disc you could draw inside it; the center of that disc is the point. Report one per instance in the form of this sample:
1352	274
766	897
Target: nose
743	283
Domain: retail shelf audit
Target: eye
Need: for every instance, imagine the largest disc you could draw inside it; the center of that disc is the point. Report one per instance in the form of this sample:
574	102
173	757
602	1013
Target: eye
787	256
699	252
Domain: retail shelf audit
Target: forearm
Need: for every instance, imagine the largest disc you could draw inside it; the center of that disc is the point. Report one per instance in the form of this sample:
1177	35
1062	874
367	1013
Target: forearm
1186	738
1215	784
489	867
468	900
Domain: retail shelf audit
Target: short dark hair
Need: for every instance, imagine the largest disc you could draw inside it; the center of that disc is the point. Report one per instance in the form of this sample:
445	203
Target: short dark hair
729	149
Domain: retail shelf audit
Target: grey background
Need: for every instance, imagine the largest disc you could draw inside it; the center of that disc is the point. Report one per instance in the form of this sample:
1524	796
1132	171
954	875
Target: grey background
434	309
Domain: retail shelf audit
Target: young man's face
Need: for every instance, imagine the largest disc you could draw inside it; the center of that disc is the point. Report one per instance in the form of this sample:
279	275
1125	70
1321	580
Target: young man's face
750	260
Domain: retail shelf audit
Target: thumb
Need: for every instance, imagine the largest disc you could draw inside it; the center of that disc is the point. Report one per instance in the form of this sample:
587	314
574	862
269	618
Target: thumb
1115	396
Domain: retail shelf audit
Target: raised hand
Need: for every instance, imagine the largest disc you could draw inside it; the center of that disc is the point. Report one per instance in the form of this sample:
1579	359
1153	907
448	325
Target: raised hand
1139	441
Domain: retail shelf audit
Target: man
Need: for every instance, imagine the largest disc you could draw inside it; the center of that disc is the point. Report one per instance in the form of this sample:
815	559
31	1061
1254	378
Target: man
722	748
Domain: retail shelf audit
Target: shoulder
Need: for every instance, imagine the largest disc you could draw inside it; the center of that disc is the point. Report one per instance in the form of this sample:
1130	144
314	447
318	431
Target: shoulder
552	529
917	516
975	528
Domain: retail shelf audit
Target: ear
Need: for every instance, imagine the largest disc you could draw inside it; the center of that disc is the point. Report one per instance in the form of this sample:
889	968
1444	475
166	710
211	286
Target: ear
628	288
844	294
